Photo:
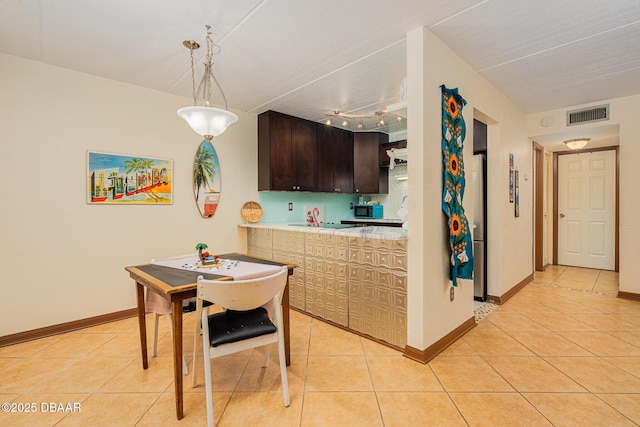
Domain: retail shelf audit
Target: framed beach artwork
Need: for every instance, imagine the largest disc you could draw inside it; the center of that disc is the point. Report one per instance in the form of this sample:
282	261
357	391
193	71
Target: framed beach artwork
127	179
206	179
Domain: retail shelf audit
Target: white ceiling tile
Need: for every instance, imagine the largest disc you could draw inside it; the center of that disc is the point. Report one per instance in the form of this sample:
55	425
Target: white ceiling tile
500	31
585	71
308	58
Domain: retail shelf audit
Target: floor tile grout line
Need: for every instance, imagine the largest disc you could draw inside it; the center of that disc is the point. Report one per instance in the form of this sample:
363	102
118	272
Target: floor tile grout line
373	384
536	408
597	396
306	371
148	410
587	391
601	358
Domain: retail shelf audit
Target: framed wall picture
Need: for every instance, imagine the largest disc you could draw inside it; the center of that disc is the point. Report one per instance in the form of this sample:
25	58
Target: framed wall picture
124	179
511	177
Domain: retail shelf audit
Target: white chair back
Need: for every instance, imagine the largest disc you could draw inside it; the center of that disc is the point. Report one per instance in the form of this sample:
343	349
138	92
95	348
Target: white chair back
242	295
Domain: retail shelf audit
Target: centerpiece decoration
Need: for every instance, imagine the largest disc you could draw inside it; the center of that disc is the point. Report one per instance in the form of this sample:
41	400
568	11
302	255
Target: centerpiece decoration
207	259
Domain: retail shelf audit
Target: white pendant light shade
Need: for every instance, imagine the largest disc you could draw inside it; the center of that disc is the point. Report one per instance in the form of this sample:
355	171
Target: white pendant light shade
208	121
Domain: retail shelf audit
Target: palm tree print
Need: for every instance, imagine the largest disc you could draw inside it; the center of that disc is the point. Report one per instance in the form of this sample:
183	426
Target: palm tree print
141	167
203	169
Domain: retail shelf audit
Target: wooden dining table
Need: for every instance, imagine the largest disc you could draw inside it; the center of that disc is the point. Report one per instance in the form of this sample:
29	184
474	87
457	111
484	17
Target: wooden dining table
175	285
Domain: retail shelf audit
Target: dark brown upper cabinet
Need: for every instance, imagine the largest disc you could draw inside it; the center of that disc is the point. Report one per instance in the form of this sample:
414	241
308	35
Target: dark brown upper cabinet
335	160
368	176
295	154
287	153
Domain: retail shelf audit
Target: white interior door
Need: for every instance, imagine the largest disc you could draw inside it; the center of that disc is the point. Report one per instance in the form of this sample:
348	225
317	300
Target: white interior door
586	209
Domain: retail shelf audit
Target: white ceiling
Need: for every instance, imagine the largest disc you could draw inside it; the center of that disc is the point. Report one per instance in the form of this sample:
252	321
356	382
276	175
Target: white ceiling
310	58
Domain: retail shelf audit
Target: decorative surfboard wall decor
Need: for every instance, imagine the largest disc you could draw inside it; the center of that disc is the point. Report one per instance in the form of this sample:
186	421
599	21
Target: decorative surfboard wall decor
206	179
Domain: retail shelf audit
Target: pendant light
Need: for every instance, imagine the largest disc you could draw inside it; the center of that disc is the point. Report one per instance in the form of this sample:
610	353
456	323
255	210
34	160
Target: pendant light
204	119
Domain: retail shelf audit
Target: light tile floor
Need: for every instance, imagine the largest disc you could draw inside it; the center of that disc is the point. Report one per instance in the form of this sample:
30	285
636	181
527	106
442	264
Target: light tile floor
549	356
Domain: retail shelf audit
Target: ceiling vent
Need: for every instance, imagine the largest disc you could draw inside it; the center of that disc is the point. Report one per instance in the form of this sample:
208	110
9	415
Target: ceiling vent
588	115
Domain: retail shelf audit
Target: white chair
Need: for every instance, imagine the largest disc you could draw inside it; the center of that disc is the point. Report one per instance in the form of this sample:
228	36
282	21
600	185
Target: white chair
244	325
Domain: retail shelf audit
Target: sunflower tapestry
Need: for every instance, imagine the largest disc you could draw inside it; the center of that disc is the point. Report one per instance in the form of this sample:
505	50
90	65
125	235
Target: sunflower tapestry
453	134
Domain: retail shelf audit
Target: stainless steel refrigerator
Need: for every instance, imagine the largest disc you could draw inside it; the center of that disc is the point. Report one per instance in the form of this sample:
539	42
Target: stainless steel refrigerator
479	227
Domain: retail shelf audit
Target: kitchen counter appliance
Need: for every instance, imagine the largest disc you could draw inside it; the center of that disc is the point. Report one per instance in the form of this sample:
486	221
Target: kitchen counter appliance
368	211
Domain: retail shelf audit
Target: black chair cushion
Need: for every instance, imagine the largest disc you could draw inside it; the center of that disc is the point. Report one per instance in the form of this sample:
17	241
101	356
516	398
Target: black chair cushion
232	326
192	305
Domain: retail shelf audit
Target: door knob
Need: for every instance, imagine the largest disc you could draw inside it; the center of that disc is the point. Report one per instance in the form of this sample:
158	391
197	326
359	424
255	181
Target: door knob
561	215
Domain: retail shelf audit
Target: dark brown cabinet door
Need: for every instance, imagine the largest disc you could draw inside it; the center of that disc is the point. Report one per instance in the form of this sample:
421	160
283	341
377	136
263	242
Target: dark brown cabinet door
368	176
335	160
304	147
343	179
286	153
281	153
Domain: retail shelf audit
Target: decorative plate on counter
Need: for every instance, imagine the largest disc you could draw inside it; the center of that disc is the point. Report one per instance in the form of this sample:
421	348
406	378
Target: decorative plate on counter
251	211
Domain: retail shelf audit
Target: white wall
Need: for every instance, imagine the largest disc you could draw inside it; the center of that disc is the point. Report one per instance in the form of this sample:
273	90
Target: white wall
624	112
430	313
63	260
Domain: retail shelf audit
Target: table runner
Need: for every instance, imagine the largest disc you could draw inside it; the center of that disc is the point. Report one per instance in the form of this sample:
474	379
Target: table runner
235	268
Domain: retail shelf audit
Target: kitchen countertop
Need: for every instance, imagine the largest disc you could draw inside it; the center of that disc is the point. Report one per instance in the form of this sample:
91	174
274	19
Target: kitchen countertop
375	232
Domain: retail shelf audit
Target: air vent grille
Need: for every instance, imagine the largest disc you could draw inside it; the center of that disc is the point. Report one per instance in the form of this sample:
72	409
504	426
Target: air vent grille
588	115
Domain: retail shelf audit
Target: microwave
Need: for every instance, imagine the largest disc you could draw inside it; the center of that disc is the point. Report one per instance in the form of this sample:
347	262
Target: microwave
368	211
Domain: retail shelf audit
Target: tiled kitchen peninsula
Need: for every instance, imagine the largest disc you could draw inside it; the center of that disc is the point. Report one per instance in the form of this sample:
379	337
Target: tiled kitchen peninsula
354	277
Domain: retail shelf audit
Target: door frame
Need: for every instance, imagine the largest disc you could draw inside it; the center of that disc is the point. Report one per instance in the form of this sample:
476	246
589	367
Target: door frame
538	205
617	201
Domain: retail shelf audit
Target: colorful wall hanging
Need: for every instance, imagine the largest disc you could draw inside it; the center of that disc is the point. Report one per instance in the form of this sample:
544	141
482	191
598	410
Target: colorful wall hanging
122	179
206	179
453	134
